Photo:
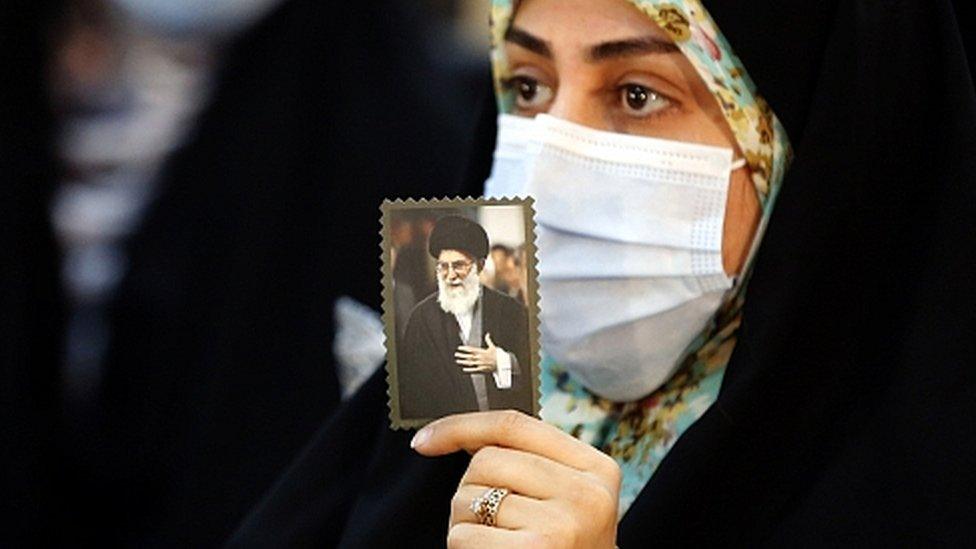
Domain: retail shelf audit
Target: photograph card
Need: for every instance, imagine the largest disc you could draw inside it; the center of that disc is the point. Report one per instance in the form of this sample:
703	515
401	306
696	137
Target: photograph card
460	307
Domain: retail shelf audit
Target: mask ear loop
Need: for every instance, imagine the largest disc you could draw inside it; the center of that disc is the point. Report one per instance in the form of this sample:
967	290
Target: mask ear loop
736	164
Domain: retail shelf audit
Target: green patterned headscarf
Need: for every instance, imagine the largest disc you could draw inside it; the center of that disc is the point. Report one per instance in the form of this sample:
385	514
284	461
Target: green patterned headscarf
639	434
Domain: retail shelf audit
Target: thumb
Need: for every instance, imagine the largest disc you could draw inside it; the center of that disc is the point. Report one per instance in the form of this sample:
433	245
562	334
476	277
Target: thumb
488	340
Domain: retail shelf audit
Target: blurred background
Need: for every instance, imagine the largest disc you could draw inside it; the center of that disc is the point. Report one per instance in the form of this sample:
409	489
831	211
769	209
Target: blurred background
190	231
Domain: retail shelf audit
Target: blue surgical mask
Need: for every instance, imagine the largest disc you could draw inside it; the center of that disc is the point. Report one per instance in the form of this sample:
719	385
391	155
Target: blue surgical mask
629	234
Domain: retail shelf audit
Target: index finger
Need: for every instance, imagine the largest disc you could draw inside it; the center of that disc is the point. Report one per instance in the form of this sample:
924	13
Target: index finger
469	349
508	429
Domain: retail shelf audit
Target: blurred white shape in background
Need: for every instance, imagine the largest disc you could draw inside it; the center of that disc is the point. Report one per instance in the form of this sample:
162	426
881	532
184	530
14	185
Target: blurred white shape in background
358	344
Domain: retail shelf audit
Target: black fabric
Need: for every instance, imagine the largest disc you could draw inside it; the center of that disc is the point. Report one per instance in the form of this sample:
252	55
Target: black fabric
30	304
220	366
357	484
453	232
430	381
845	413
847	409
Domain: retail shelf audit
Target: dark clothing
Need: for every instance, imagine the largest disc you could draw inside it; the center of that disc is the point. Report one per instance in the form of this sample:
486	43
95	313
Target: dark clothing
357	484
846	413
220	365
413	276
431	382
845	416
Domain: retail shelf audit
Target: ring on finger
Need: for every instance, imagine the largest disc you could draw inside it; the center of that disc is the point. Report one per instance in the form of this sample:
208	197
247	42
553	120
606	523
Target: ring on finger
485	506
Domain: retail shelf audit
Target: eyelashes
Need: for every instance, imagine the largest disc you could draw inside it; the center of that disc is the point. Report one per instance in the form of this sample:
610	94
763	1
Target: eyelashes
530	93
632	99
642	101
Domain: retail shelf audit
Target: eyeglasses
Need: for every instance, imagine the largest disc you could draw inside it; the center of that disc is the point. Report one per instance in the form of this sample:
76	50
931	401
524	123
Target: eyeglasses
460	267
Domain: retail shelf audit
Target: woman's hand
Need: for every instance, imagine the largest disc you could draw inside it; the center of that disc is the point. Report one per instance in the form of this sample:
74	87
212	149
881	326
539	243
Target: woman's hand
563	493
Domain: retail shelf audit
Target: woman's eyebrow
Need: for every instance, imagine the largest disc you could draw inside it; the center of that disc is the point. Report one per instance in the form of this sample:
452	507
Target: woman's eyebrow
629	47
600	52
528	41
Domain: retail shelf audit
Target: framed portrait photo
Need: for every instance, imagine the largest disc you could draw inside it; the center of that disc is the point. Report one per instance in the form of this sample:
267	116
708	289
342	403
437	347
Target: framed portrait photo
460	307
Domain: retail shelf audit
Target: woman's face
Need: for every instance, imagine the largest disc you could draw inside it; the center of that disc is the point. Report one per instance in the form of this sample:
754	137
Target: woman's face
606	65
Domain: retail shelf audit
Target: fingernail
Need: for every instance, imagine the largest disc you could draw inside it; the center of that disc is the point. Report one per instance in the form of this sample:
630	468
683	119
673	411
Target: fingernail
420	438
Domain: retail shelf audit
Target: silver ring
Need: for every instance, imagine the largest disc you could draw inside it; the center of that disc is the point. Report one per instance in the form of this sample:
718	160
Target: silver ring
485	506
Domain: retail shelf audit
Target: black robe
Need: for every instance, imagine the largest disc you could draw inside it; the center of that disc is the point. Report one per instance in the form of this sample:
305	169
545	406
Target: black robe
431	382
847	409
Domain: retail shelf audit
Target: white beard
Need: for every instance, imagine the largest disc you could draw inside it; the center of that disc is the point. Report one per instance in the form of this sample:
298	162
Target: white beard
459	299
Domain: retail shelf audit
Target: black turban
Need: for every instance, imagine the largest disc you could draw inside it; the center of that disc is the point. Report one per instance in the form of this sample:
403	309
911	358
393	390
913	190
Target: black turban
453	232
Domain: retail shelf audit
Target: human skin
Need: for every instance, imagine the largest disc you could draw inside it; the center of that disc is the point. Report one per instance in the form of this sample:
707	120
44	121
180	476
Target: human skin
606	93
451	277
564	492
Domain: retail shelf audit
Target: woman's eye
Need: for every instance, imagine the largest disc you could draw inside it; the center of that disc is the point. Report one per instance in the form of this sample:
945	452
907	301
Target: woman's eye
530	94
638	100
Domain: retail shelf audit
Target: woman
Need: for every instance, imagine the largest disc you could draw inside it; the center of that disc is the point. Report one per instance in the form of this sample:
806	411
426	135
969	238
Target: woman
637	255
843	406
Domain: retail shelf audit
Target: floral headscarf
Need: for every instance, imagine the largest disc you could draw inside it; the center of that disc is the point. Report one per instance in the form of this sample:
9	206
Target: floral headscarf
639	434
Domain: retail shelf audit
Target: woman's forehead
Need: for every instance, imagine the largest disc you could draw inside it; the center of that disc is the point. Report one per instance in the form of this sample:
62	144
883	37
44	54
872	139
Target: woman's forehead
584	22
